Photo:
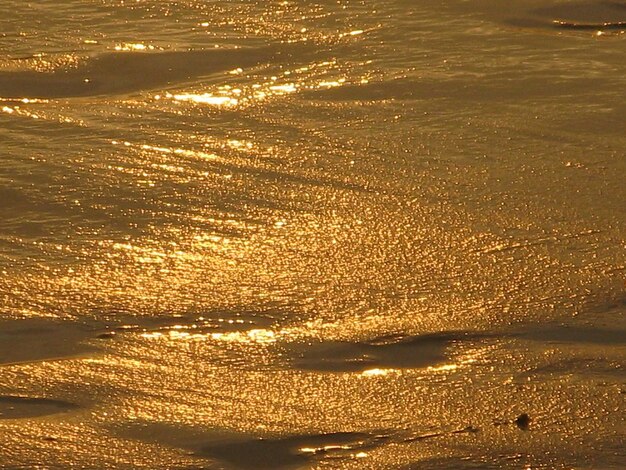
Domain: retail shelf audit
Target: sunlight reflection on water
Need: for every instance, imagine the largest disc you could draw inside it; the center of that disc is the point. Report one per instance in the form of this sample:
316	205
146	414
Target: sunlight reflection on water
352	234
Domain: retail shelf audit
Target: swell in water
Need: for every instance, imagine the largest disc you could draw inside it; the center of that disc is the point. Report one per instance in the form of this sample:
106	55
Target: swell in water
577	16
393	247
125	72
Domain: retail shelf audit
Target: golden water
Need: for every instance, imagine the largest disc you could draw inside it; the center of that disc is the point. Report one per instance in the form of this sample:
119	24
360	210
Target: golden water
331	234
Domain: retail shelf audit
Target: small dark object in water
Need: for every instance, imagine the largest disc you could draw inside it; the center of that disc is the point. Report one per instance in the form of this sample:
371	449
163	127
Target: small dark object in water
522	421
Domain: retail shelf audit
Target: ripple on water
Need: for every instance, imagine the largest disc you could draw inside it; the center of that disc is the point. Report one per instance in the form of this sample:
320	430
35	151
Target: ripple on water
602	16
387	352
125	72
42	339
245	451
292	451
18	407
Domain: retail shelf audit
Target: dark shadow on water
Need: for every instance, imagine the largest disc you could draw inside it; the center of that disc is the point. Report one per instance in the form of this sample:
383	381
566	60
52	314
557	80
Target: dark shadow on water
39	339
584	12
396	352
18	407
288	452
243	451
576	16
576	334
125	72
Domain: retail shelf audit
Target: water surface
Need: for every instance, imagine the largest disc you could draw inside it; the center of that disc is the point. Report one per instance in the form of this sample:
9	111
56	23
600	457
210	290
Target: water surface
300	234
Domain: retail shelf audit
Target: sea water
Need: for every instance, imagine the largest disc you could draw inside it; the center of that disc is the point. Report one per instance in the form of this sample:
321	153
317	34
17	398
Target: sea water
312	234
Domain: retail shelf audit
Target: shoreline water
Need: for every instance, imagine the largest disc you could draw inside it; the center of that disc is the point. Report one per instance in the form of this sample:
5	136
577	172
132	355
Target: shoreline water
399	244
